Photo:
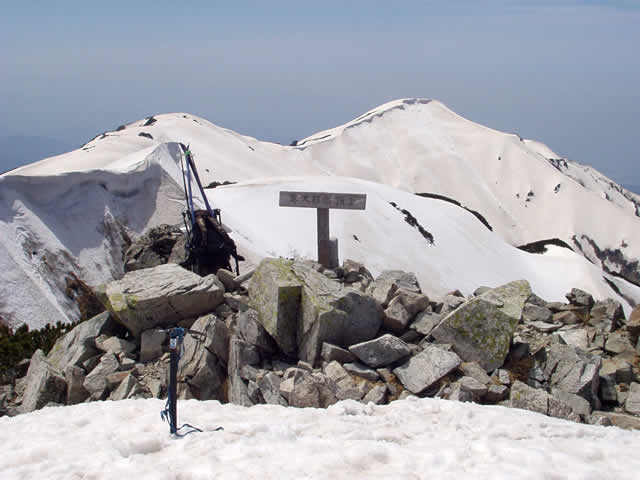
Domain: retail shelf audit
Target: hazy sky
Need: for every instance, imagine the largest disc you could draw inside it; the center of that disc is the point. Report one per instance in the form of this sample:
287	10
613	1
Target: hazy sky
563	72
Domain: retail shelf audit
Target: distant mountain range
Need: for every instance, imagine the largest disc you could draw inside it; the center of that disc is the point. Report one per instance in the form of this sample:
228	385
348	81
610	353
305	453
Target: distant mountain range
18	150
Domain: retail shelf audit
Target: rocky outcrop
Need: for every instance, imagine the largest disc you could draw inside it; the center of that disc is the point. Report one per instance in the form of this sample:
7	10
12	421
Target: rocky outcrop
44	384
160	296
481	329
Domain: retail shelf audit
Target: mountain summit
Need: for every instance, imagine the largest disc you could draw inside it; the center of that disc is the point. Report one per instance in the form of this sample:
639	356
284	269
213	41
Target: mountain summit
478	193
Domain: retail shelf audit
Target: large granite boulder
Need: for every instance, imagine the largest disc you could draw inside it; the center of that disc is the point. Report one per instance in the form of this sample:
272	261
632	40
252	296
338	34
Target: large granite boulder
481	330
44	384
332	313
160	296
274	291
78	345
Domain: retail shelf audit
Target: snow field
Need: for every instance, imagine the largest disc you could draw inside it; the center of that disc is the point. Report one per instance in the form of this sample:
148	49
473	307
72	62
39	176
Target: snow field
412	439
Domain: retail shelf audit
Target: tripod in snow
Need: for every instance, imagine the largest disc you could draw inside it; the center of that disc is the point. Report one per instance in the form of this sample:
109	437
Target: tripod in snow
170	412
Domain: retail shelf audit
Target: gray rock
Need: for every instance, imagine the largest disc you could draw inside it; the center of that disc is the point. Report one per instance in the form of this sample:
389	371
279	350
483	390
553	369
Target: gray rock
44	384
361	371
503	376
481	330
345	386
377	395
153	248
536	313
396	316
622	369
559	409
239	391
114	345
286	387
573	371
536	300
401	279
633	325
580	298
331	352
380	351
527	398
160	296
566	318
151	345
201	367
545	327
312	391
456	393
126	389
332	314
632	404
425	322
576	337
254	393
426	368
412	301
355	272
451	302
496	393
269	385
227	278
480	290
241	353
620	420
244	278
78	345
382	291
607	315
96	381
76	393
302	365
474	370
474	387
608	392
617	343
252	331
576	403
391	381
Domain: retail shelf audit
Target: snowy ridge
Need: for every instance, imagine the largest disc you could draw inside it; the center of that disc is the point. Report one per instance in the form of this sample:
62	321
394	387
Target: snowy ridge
76	210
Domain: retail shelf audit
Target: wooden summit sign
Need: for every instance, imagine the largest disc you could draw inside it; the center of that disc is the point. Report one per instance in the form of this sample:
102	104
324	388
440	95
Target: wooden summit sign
322	202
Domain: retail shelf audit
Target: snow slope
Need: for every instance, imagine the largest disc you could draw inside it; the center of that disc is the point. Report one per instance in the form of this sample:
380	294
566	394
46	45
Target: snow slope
412	439
74	212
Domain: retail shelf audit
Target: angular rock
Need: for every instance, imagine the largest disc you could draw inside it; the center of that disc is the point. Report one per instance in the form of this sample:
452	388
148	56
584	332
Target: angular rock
577	337
44	384
153	248
608	392
286	387
274	292
496	393
576	403
566	318
481	330
382	291
114	345
580	298
536	313
401	279
331	352
345	386
536	300
475	371
573	371
237	303
474	387
633	325
252	331
160	296
391	381
527	398
426	368
632	404
151	345
480	290
380	351
254	393
617	343
425	322
396	316
202	365
312	391
76	393
96	381
361	371
333	314
239	391
269	385
78	345
620	420
355	272
545	327
607	315
126	389
377	395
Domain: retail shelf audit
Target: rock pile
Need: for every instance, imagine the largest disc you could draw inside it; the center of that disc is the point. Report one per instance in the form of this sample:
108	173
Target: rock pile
292	333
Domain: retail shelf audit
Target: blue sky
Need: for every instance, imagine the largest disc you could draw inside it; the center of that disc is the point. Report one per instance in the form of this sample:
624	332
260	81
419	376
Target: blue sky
563	72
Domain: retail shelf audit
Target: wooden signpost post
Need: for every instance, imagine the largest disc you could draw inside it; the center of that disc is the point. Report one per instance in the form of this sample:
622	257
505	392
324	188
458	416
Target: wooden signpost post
322	202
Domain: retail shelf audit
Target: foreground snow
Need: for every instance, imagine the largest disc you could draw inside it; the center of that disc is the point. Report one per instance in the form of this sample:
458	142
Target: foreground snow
409	439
